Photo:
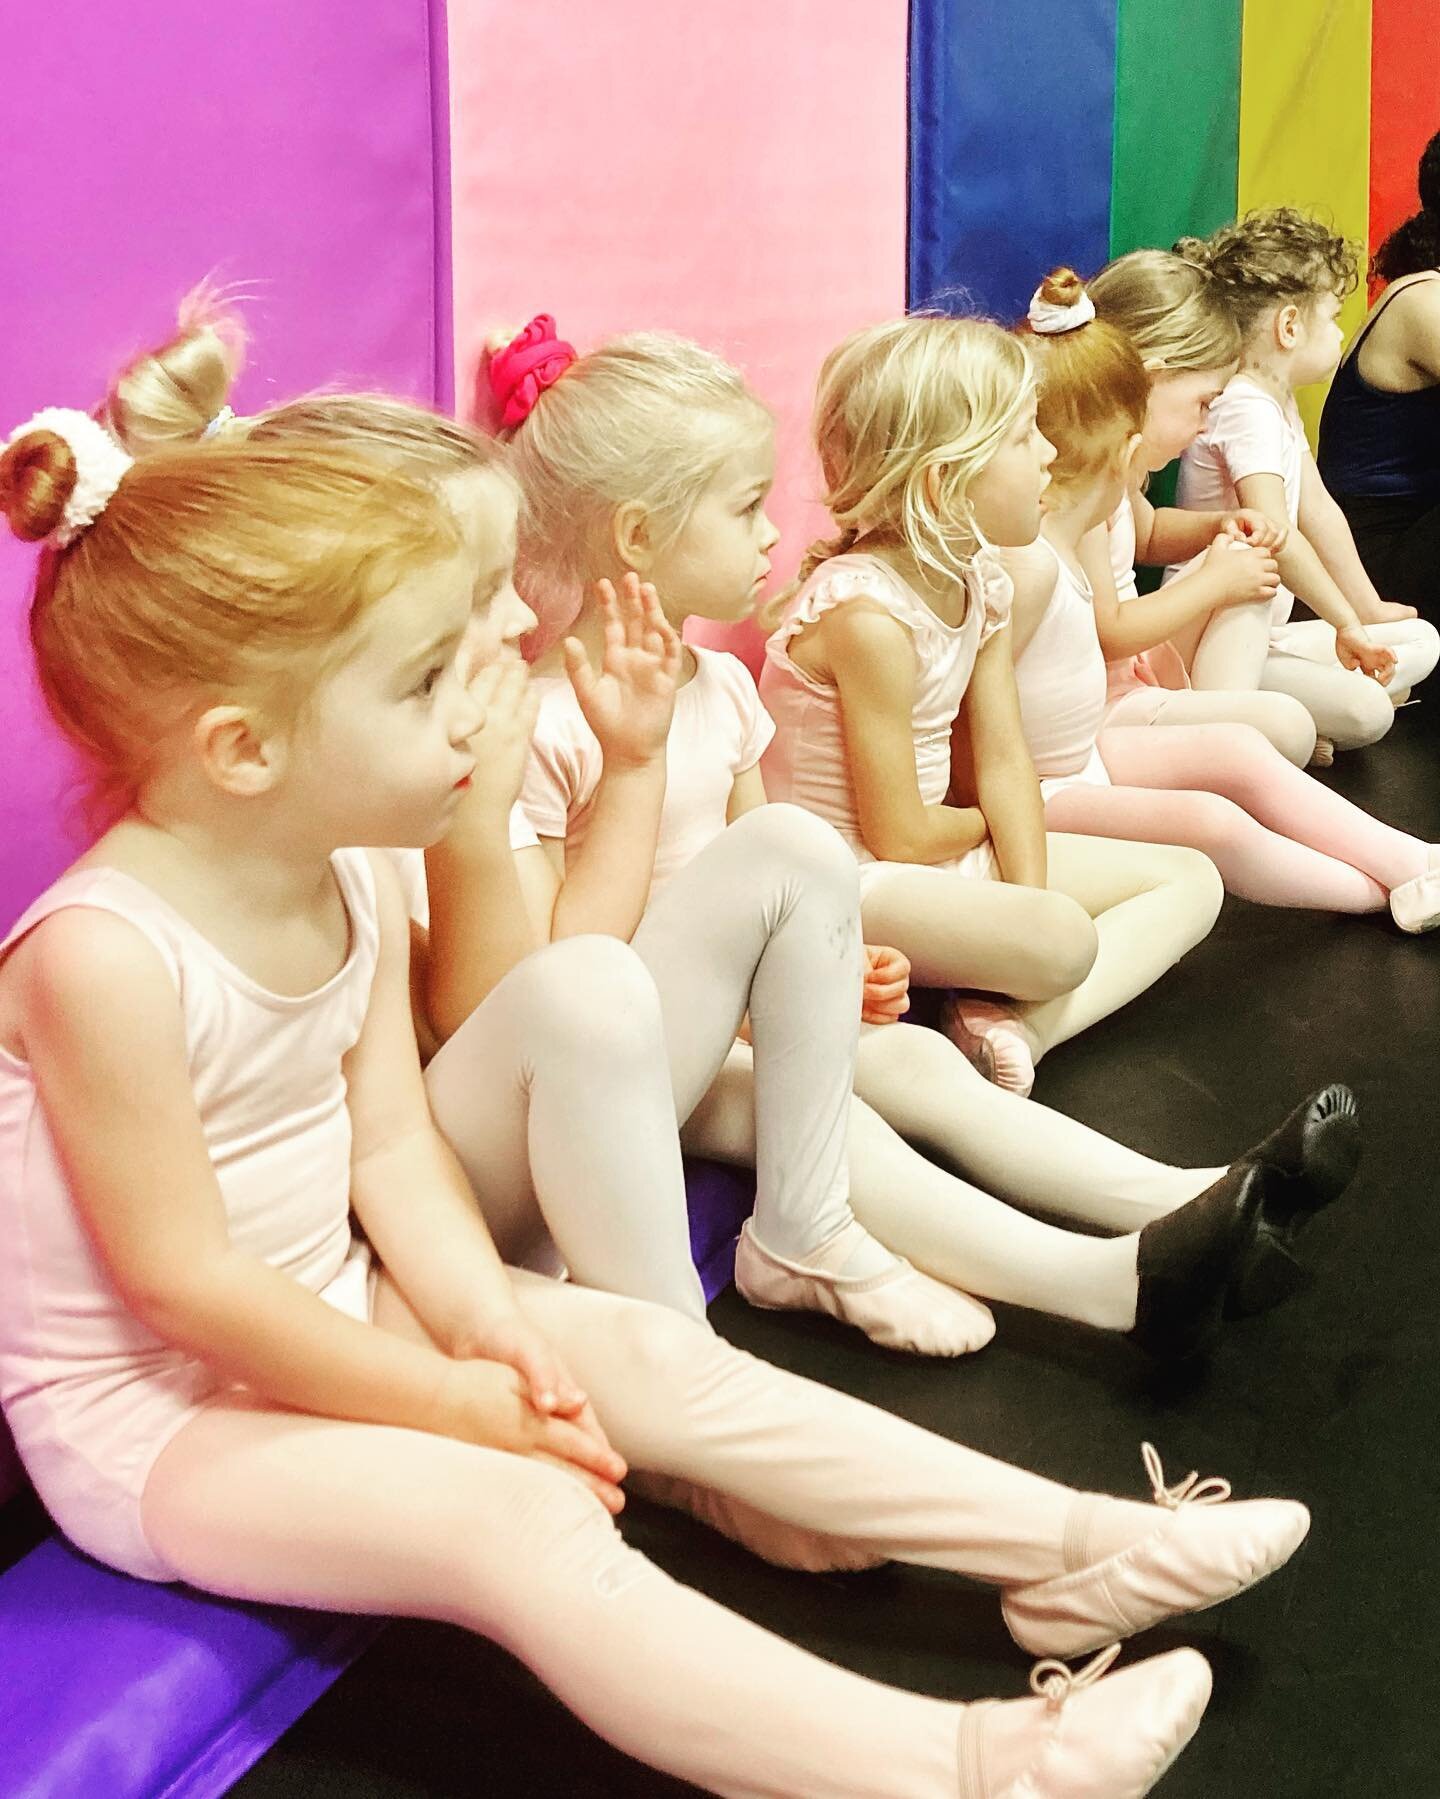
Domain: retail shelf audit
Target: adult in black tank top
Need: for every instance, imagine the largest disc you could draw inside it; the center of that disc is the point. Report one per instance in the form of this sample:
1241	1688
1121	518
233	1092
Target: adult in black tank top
1380	431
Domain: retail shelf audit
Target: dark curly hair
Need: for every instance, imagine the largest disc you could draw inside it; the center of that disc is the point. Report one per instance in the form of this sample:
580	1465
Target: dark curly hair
1279	254
1415	245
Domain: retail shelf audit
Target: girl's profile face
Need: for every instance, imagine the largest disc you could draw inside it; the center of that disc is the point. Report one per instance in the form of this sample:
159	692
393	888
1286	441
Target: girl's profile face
381	755
1319	341
719	563
487	507
1175	413
1006	495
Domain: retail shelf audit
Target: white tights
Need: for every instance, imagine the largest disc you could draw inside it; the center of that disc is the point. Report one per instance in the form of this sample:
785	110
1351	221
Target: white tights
1278	716
558	1100
279	1507
1238	649
556	1095
1116	916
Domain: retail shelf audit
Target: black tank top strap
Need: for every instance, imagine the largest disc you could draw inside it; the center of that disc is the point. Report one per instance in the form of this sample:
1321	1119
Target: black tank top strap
1382	306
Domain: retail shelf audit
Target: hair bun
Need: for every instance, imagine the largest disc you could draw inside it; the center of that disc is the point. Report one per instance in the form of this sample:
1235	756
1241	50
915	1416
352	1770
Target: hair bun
1062	287
37	478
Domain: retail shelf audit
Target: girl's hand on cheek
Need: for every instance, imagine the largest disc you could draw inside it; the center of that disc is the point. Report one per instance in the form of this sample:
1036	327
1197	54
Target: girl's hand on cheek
509	703
629	705
1258	529
885	997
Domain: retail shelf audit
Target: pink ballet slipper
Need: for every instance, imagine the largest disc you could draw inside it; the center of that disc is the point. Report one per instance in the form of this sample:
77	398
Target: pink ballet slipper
1201	1552
772	1539
992	1039
1096	1735
1415	904
899	1307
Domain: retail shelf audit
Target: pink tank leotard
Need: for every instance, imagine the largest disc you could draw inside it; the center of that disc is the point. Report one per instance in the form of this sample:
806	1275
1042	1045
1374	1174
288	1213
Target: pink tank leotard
1155	671
91	1395
807	763
1060	678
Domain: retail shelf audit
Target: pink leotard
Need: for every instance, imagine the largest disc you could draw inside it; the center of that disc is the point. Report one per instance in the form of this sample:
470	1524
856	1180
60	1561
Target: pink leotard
91	1395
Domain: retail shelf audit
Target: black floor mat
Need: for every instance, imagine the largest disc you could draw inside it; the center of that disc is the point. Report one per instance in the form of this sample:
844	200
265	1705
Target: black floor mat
1322	1688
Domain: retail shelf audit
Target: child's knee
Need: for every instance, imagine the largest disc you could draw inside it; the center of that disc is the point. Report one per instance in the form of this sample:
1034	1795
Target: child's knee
803	842
1062	946
1360	715
596	985
1288	725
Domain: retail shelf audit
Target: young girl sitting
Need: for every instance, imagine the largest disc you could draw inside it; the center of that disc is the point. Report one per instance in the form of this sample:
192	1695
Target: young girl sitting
597	453
1276	834
1284	276
207	1061
1175	315
928	446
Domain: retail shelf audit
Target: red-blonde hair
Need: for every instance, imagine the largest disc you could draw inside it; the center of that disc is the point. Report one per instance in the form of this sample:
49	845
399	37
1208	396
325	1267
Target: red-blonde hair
1093	387
219	571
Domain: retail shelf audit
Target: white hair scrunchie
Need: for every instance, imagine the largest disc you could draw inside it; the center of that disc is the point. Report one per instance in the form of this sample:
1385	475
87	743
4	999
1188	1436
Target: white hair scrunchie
100	466
1049	319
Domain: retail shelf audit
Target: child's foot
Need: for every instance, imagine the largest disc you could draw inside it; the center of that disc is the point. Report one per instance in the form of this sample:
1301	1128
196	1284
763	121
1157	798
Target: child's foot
1323	755
1128	1569
1085	1735
1187	1260
899	1307
1315	1151
1005	1054
1415	904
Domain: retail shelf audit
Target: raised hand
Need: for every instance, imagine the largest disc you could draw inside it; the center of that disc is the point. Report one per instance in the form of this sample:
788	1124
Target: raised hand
630	703
508	705
1356	651
885	997
1258	529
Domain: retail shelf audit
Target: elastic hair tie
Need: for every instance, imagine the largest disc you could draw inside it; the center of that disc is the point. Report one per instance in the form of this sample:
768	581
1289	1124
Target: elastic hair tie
100	466
1049	319
221	419
528	364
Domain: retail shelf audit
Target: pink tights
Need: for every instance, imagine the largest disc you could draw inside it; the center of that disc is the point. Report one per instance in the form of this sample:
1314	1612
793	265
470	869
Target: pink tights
1277	836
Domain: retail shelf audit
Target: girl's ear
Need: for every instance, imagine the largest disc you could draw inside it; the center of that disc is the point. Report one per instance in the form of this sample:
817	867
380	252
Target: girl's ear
1130	459
236	753
1287	325
630	537
932	486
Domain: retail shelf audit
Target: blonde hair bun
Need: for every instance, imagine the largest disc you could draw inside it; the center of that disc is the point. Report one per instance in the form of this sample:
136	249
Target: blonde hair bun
173	394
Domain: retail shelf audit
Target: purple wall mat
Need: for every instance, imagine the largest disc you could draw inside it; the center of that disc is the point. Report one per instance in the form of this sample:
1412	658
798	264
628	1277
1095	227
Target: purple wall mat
121	1689
290	147
720	1199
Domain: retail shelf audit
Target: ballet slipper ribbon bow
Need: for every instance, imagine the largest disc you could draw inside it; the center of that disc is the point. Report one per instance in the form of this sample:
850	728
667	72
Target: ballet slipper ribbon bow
1190	1491
1054	1682
527	365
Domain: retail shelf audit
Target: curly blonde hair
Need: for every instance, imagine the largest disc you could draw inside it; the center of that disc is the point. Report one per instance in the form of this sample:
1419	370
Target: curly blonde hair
1272	257
897	401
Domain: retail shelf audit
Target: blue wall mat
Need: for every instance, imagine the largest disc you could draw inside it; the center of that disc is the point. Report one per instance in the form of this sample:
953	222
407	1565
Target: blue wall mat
1011	125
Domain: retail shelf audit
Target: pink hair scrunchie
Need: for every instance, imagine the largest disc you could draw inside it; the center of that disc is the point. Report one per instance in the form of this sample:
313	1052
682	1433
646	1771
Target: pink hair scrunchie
528	364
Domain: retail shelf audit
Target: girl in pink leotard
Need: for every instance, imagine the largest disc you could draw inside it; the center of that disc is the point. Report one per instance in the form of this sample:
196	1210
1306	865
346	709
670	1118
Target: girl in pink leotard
1276	834
207	1062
